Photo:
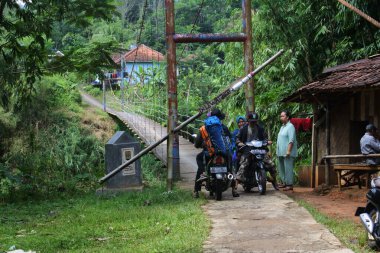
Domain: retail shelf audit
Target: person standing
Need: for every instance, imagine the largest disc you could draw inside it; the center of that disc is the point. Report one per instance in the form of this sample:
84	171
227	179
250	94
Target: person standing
286	150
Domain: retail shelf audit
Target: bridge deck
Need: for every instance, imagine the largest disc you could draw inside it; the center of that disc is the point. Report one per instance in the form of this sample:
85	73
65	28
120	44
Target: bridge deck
149	132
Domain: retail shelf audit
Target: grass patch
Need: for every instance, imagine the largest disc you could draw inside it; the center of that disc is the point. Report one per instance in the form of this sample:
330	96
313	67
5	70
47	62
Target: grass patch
352	235
148	221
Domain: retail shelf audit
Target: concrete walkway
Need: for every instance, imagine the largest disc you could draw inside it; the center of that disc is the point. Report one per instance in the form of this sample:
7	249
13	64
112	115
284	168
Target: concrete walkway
250	223
269	223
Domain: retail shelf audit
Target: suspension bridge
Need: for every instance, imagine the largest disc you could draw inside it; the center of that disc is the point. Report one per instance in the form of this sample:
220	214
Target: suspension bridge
143	119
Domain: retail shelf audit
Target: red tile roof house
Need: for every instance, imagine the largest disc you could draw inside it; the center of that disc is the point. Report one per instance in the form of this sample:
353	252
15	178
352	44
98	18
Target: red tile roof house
345	99
139	64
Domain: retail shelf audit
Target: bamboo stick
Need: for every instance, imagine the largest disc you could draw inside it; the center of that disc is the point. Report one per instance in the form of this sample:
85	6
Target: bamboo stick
359	12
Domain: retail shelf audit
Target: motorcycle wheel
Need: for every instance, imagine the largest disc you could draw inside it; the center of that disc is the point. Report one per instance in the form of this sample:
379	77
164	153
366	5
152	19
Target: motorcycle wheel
218	190
373	215
262	182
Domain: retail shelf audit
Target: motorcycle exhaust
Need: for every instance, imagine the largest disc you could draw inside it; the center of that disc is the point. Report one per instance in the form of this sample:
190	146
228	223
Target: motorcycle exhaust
367	222
230	177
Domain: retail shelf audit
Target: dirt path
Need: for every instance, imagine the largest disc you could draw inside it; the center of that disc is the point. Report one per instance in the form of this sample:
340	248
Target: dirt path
269	223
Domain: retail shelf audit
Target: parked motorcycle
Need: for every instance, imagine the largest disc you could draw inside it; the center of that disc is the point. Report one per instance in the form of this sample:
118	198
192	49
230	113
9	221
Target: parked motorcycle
370	215
256	174
219	175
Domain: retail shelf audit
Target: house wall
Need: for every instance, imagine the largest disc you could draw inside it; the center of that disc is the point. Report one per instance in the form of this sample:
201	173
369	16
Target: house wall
347	124
339	131
136	67
348	119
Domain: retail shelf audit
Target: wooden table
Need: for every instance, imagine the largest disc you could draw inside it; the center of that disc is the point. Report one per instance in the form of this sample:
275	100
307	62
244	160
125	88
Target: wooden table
351	173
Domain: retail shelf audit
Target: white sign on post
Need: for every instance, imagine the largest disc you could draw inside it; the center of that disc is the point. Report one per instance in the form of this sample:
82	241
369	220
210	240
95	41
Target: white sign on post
127	154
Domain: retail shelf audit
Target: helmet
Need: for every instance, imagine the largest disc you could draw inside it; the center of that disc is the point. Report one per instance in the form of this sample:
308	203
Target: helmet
216	112
252	117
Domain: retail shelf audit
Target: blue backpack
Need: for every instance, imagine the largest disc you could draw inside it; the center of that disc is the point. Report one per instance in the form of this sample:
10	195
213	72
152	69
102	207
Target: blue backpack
220	142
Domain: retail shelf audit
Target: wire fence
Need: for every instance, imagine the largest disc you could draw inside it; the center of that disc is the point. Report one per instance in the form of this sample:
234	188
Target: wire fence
148	113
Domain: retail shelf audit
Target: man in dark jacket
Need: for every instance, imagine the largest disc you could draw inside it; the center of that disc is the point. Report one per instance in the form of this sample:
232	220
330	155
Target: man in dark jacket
253	131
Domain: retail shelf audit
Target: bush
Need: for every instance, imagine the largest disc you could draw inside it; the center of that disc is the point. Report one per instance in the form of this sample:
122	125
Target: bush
48	151
93	91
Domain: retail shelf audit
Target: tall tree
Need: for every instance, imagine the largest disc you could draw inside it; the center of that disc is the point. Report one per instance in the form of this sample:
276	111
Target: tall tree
25	32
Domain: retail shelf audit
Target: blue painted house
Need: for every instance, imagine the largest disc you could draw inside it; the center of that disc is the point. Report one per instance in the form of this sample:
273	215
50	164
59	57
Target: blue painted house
139	64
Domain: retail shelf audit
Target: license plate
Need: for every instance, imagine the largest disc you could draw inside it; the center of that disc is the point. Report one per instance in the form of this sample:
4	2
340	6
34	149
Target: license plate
258	151
218	169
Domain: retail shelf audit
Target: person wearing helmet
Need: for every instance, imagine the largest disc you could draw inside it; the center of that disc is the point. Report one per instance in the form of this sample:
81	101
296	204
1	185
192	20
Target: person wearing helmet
370	144
204	156
249	132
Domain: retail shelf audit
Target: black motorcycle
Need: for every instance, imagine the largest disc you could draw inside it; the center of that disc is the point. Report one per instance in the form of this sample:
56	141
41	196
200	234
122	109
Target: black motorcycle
369	215
256	174
219	175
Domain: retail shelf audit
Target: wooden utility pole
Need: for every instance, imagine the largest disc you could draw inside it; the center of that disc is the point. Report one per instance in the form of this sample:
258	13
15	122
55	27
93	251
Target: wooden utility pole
173	141
172	39
248	55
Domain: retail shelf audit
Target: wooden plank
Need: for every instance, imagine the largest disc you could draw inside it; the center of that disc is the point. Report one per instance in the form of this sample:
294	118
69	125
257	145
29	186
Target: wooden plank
352	108
339	179
372	104
362	106
350	167
314	154
350	156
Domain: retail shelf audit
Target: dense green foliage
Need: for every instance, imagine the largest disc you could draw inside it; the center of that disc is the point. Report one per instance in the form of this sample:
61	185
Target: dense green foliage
26	49
148	221
45	149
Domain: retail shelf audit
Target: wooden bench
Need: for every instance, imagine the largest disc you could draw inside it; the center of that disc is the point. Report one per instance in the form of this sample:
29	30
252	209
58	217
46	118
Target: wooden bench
351	173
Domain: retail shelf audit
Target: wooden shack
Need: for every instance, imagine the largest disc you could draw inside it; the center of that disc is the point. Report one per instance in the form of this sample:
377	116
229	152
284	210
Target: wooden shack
345	99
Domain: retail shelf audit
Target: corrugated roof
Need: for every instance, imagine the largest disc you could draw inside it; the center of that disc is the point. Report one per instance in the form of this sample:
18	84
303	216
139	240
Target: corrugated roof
142	53
353	76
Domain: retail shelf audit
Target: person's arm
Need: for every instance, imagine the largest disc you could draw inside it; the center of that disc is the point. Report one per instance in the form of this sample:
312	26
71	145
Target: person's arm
226	131
198	142
292	139
239	142
375	145
289	149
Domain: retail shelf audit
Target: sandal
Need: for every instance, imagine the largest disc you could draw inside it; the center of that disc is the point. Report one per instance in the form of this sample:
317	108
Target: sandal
288	188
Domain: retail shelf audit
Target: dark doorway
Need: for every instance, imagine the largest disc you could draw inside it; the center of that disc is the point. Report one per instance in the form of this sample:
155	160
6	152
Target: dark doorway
357	130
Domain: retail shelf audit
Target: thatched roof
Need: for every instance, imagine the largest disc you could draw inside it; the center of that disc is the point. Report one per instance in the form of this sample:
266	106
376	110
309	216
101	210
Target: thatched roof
342	79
